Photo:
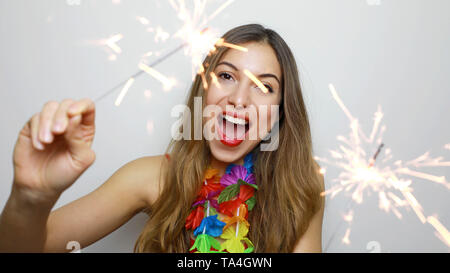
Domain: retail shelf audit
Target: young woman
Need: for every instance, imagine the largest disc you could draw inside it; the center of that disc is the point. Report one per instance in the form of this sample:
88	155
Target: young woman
219	194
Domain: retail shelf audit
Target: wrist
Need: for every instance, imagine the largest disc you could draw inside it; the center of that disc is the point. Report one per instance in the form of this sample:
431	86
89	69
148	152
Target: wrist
29	197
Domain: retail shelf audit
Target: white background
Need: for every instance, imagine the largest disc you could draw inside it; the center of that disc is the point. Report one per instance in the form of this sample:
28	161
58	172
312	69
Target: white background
392	53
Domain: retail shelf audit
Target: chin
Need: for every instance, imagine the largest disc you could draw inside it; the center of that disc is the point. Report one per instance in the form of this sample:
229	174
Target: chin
229	150
225	153
230	154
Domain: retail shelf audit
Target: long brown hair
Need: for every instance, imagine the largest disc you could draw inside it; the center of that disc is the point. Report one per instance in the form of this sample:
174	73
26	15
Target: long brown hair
288	179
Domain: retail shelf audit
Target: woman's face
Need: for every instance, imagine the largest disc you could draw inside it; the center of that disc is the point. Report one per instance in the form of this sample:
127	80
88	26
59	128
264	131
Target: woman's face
245	108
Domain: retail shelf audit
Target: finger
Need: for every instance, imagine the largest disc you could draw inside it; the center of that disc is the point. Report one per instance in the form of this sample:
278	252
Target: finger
82	155
86	107
45	121
60	119
34	125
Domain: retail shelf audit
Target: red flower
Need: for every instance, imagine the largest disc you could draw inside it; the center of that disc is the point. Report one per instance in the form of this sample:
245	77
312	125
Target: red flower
212	188
246	192
230	207
195	218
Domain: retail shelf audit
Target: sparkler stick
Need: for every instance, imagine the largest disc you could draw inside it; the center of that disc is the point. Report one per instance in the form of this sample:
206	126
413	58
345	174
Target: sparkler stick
372	161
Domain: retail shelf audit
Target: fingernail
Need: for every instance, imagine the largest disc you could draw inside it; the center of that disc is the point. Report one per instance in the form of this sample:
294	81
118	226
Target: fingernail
57	127
47	136
73	109
39	145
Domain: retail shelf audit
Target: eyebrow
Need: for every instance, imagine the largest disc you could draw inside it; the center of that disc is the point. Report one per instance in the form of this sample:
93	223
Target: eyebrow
265	75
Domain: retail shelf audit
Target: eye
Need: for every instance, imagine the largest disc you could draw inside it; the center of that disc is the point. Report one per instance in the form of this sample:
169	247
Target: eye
269	88
225	76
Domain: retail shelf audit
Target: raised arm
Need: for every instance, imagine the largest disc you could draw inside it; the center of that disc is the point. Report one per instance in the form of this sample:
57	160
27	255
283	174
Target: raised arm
47	160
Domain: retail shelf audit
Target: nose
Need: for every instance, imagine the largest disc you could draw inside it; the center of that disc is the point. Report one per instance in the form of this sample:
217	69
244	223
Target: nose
239	98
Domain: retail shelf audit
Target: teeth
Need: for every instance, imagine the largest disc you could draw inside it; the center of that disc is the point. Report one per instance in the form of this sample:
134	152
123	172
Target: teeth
235	120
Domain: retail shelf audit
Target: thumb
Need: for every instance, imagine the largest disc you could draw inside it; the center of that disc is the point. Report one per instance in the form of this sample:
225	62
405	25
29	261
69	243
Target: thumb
80	151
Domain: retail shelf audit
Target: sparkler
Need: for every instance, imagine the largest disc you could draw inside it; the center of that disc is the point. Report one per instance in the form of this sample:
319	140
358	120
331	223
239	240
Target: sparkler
361	175
197	41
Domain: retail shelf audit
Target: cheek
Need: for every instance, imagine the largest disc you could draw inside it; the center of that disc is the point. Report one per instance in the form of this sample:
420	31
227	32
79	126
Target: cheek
213	96
268	114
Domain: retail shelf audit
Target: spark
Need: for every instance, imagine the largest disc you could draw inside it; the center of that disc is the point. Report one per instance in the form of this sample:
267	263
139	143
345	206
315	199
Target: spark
150	126
346	239
221	42
219	10
362	174
148	94
442	232
201	72
112	57
214	79
143	20
199	39
161	35
124	91
167	83
322	171
256	81
111	43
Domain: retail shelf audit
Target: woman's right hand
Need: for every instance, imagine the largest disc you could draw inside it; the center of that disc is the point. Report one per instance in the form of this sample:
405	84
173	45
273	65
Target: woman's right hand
54	148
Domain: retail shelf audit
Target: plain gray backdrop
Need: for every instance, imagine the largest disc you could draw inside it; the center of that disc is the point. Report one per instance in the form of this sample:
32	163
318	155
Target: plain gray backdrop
392	53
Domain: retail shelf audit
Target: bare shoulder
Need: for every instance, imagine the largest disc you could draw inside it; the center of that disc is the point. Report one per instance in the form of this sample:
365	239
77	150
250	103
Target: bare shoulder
148	176
129	190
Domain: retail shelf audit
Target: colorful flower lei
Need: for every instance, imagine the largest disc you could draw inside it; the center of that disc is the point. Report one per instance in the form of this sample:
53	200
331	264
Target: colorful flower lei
232	195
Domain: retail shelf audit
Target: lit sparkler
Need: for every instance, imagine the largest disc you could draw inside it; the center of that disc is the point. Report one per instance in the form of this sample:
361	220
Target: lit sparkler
197	39
392	183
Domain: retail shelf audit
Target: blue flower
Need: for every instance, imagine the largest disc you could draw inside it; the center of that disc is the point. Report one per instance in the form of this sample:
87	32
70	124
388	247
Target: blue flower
248	164
213	226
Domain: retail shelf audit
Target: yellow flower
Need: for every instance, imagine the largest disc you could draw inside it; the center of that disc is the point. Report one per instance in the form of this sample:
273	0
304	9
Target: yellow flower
233	243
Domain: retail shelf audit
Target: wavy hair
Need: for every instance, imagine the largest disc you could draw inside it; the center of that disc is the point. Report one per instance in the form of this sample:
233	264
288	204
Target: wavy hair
288	179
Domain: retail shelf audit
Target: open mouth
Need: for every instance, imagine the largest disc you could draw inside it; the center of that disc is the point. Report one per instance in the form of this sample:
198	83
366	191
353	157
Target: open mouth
232	129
